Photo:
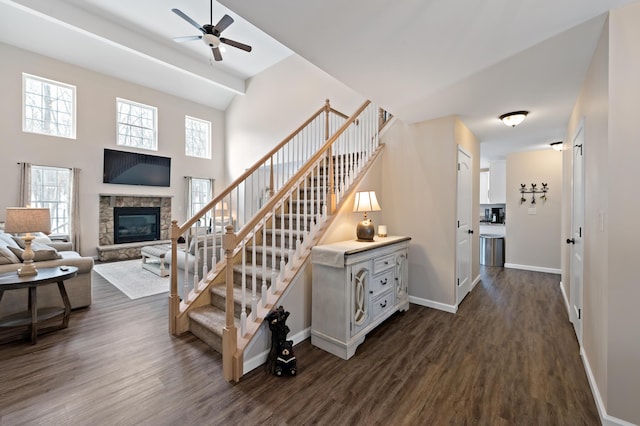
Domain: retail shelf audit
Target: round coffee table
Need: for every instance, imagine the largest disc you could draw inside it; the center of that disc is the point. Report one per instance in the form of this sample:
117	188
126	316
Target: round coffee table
33	316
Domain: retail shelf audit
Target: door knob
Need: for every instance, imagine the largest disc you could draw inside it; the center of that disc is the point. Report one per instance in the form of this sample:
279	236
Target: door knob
571	240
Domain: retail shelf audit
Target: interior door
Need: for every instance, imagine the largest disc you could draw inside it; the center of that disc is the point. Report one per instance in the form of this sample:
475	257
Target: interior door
464	232
577	233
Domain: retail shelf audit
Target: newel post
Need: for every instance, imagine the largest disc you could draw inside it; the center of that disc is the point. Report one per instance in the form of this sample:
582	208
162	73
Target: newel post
229	333
174	298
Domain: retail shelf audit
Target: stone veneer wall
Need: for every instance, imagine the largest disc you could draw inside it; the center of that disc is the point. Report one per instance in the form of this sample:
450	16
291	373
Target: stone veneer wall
108	202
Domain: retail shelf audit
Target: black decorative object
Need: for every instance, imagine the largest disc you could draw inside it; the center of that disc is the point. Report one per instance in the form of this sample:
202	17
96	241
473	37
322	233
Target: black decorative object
533	190
281	359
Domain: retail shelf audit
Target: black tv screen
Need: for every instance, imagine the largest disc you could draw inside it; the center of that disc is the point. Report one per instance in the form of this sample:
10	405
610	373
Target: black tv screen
131	168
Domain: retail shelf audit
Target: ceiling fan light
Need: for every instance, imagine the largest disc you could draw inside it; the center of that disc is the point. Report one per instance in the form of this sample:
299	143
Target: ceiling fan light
211	40
514	118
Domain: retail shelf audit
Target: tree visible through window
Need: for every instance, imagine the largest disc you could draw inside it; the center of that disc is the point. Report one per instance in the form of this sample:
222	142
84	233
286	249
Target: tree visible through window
201	193
197	137
51	187
49	107
137	125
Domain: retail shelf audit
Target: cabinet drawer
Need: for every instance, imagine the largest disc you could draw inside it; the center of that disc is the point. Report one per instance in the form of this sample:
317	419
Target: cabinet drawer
383	303
383	263
381	282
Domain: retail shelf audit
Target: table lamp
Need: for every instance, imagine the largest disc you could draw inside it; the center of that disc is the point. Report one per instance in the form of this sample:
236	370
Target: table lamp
26	220
366	201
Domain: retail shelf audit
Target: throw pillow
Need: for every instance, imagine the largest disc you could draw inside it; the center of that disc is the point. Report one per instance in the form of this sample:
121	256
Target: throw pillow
41	252
7	239
19	241
41	237
6	256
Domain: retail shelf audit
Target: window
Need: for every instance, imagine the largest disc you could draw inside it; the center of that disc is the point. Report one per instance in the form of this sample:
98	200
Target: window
49	107
51	187
201	194
197	137
137	126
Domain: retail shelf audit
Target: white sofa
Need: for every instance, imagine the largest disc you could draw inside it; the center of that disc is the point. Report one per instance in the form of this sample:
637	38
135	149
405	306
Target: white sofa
78	288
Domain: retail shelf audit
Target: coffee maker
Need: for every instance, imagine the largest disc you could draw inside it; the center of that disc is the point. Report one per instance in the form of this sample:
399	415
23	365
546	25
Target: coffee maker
497	214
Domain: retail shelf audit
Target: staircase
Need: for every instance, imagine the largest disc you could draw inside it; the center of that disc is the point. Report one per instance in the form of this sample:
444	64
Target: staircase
282	241
273	214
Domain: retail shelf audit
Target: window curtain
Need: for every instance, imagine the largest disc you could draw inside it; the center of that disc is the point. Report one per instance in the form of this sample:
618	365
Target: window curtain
24	192
189	196
74	228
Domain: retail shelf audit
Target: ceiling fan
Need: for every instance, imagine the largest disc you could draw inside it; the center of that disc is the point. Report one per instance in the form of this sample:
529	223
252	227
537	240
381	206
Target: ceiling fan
211	33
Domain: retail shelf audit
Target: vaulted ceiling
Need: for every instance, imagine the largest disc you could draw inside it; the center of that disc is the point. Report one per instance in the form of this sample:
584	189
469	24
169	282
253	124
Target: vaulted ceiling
420	59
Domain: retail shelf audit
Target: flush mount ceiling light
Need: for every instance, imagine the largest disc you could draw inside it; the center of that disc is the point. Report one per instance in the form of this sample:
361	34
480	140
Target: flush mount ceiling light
514	118
556	145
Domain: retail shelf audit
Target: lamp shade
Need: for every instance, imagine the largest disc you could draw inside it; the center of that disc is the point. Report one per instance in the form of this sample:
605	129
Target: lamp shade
514	118
366	201
26	219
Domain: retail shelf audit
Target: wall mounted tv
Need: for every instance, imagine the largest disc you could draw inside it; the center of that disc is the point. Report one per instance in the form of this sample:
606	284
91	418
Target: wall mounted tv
131	168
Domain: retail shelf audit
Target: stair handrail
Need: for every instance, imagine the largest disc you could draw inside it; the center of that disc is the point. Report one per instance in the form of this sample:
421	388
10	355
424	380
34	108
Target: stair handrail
245	230
176	305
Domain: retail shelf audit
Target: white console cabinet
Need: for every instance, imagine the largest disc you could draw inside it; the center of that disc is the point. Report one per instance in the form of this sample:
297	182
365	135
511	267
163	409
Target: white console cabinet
356	286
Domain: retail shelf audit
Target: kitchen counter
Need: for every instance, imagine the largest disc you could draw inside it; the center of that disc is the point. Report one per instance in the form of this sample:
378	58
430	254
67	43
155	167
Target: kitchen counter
493	228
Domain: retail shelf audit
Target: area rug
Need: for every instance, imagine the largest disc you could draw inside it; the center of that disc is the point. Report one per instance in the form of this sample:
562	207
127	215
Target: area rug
130	278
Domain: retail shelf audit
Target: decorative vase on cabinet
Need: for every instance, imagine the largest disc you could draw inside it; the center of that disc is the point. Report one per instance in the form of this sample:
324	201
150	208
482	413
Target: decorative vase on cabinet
356	286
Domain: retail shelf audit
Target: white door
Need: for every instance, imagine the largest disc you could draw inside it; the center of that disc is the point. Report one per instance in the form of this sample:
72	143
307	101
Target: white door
577	232
464	232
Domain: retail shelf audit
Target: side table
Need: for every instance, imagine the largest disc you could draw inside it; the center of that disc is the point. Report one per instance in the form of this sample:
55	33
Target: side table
33	316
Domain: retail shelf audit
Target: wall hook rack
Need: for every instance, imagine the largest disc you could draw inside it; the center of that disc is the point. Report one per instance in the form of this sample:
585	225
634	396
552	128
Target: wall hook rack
533	190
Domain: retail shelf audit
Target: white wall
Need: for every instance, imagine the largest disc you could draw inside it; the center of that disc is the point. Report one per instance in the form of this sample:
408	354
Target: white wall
96	105
623	317
534	240
419	179
608	105
592	109
276	102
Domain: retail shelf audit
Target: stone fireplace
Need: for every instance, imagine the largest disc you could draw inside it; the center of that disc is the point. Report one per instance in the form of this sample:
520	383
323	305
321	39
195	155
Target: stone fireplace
138	211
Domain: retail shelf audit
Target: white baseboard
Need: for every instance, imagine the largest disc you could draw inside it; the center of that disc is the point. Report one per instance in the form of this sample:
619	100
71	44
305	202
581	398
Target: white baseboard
435	305
475	281
566	300
606	419
533	268
261	358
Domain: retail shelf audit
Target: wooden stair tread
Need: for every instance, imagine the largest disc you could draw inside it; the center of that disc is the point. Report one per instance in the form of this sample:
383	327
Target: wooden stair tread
221	291
211	318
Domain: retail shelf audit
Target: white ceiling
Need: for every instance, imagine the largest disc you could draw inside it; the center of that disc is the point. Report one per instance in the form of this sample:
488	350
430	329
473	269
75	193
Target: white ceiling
420	59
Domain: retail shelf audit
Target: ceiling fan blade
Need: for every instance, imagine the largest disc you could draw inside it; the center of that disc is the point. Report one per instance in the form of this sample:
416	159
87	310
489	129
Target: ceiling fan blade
237	44
223	23
186	38
186	18
216	54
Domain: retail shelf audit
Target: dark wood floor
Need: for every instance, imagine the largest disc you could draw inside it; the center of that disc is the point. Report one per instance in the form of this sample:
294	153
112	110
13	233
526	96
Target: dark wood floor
508	357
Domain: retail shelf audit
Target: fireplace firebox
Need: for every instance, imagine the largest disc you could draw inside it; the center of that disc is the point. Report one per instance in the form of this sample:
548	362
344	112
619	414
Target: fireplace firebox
134	224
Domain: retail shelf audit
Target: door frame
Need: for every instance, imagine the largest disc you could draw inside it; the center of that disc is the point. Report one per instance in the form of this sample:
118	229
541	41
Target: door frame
464	260
576	239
